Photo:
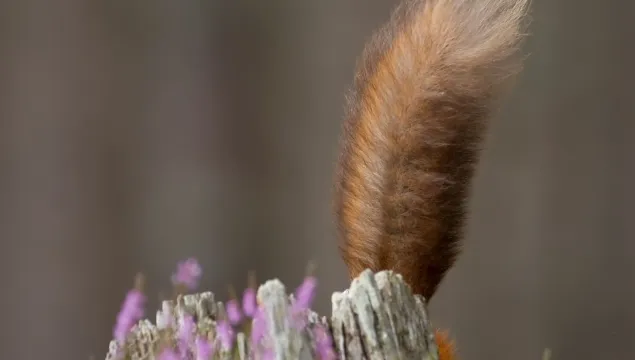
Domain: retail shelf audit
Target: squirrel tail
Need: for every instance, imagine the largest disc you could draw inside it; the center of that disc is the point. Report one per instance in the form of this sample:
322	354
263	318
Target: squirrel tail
422	94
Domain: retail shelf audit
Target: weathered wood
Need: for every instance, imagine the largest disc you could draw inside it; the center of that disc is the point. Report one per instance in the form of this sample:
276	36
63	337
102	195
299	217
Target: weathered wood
376	318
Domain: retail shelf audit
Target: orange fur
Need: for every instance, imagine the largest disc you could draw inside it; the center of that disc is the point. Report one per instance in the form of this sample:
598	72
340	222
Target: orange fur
445	346
422	94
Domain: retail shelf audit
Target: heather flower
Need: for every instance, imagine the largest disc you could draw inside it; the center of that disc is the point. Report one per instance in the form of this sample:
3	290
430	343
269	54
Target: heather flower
303	298
233	312
249	296
225	333
168	354
305	293
188	274
249	302
203	348
258	328
186	329
268	354
131	311
324	343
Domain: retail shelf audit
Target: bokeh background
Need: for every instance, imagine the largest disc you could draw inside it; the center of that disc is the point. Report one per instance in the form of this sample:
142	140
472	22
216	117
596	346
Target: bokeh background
134	134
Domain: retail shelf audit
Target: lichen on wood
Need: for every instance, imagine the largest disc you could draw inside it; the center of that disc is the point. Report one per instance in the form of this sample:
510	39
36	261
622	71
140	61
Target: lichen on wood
377	318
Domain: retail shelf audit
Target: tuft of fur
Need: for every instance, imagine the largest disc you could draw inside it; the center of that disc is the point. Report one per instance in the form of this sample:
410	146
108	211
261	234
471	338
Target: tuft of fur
423	91
445	346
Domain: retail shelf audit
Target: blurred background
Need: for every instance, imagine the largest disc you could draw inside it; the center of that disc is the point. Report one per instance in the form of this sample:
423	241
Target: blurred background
134	134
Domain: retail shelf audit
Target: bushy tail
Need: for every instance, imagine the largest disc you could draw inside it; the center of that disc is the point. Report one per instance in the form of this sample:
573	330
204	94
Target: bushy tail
422	94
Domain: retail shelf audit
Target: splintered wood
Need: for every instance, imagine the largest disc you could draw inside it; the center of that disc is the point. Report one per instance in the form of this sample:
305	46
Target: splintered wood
377	318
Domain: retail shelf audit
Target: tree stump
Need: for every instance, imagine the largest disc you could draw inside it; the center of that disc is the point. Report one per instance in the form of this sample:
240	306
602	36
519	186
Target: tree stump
377	318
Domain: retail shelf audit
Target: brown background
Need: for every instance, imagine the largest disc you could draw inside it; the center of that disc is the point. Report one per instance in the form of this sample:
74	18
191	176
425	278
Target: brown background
136	133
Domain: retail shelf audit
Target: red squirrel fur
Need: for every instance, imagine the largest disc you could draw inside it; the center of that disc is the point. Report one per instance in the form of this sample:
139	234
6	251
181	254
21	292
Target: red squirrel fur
422	95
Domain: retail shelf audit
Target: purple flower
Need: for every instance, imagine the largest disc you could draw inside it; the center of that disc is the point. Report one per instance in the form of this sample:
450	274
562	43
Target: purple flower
188	273
233	312
203	348
298	320
326	353
168	354
268	354
249	302
324	343
186	329
304	294
225	333
259	327
131	312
